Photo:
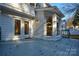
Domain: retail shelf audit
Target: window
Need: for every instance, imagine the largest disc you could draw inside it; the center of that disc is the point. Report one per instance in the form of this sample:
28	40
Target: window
26	25
32	4
49	26
35	12
17	27
38	5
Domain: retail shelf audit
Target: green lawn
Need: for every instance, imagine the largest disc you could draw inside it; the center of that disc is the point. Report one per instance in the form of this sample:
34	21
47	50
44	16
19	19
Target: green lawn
72	36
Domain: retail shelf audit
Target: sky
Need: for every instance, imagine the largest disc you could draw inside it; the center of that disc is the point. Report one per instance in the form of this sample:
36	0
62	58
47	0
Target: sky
63	7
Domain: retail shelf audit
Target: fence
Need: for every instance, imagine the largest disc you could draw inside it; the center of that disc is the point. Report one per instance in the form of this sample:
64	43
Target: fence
66	33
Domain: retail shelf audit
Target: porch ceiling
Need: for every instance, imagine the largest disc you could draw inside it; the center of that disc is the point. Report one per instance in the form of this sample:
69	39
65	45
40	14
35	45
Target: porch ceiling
8	10
52	10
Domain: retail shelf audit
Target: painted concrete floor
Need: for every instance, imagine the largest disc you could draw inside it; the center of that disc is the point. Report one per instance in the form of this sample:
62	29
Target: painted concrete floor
37	47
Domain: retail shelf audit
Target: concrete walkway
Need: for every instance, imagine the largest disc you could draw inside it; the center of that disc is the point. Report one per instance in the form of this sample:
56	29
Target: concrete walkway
63	47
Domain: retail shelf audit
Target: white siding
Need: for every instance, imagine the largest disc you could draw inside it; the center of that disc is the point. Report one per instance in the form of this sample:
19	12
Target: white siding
15	6
44	5
32	11
6	27
22	35
26	8
7	24
39	32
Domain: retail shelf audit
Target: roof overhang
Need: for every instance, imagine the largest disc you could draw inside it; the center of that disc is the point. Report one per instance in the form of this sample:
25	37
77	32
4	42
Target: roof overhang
11	11
53	9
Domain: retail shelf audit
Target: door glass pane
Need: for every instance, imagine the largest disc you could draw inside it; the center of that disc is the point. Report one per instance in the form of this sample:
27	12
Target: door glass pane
26	31
49	26
17	27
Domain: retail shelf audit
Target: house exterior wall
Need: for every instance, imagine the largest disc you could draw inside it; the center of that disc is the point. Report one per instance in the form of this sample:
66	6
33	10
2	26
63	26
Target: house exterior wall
37	28
15	6
6	24
22	35
22	7
44	5
56	24
32	10
39	32
28	9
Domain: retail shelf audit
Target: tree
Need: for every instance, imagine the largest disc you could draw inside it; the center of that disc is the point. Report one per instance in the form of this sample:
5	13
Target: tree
70	7
71	10
74	23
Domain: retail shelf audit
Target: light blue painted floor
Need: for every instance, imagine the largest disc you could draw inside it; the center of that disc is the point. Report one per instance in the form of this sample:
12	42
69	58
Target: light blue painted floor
62	47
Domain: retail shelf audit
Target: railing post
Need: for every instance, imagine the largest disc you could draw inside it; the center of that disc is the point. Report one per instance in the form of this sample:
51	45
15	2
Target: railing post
68	33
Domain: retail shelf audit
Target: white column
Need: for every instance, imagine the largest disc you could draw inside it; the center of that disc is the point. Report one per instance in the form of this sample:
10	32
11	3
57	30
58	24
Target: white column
54	25
31	28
